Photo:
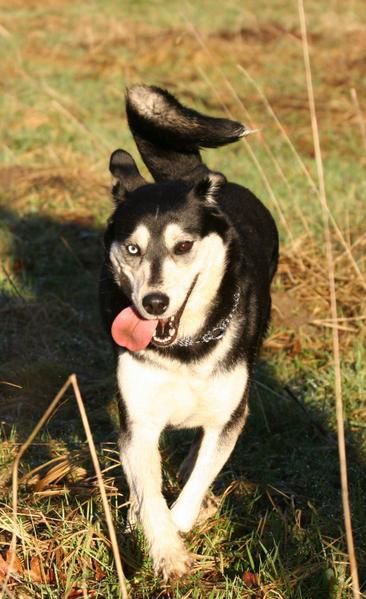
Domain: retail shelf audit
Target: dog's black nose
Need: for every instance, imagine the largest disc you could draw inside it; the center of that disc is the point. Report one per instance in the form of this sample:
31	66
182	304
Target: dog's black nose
155	303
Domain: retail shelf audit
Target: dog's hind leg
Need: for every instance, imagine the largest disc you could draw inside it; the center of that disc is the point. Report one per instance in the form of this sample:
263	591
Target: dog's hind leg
215	449
140	459
189	461
210	503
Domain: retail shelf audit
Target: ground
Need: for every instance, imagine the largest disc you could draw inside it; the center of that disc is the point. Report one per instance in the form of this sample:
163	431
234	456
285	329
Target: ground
279	531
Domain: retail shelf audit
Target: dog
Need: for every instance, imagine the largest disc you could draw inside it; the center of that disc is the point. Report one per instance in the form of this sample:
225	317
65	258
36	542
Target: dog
185	296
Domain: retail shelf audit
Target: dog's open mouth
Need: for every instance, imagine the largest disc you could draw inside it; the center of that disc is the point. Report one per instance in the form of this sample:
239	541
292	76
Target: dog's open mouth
166	331
135	333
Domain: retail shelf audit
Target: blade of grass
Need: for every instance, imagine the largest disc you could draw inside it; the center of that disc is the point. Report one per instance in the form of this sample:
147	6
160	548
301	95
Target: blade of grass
333	302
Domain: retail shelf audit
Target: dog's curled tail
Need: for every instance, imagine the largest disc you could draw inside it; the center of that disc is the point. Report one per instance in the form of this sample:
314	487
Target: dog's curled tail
169	135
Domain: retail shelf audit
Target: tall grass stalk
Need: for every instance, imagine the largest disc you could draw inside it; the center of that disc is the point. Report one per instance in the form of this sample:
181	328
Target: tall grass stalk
333	306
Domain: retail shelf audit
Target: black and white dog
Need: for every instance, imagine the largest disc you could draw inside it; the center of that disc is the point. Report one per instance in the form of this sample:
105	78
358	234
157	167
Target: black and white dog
185	293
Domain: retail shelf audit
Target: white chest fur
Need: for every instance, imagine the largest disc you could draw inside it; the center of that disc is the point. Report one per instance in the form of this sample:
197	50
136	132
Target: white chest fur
166	392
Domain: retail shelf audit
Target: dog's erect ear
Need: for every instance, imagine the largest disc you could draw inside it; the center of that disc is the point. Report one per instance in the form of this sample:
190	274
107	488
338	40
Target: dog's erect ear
123	167
208	188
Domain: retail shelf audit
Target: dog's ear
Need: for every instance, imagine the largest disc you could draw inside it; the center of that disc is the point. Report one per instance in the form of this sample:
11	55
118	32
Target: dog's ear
123	167
208	188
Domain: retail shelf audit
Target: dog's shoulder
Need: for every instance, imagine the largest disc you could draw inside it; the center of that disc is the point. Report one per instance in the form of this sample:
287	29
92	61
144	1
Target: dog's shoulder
254	224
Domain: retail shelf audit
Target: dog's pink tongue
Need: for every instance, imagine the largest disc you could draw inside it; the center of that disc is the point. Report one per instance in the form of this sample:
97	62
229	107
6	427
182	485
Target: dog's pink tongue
132	331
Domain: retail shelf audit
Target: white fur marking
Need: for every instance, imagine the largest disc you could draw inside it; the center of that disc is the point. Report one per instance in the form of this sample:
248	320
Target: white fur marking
147	101
216	181
143	473
119	265
141	236
166	392
174	233
210	264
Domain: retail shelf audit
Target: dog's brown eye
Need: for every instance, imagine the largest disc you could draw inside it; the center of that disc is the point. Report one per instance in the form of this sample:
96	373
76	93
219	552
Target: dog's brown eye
133	249
183	247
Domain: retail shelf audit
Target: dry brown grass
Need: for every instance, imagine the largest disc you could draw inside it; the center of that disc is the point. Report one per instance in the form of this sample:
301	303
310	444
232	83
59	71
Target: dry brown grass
301	298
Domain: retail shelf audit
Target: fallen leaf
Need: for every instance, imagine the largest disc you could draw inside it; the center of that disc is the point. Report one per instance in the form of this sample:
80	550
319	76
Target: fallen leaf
250	579
3	568
10	566
37	572
18	266
99	573
75	593
13	560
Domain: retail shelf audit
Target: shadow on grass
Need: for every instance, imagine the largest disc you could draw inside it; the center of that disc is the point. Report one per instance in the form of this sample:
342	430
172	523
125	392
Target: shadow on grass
50	323
289	452
284	508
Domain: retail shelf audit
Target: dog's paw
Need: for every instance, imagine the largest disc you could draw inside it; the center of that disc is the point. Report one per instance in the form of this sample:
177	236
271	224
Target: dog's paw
172	561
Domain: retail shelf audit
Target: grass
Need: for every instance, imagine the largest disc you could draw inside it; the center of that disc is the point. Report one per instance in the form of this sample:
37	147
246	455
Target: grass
279	531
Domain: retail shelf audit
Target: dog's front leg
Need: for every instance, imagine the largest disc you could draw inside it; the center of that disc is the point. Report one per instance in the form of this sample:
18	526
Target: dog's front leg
140	459
214	451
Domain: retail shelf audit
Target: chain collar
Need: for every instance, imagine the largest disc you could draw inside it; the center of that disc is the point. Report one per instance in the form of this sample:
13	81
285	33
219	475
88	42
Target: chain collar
217	332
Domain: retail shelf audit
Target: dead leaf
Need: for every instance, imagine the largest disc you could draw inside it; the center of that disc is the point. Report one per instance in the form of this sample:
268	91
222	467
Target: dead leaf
10	566
13	560
99	573
250	579
77	592
3	568
37	572
18	266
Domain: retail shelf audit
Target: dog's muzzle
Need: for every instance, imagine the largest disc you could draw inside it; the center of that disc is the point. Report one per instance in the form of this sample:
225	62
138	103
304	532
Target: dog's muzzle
167	330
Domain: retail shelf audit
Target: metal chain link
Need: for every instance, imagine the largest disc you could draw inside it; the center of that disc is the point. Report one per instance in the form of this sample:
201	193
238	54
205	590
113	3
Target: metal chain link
217	332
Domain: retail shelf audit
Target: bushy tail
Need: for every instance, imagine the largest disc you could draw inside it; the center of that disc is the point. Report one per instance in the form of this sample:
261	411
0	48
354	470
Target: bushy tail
169	135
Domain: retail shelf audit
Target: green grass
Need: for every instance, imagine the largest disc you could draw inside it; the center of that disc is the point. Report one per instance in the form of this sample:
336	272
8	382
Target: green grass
65	66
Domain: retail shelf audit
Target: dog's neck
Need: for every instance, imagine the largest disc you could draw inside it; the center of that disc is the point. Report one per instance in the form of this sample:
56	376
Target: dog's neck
217	331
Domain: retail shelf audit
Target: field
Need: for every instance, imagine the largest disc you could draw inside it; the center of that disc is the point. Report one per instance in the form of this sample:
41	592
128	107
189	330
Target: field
279	531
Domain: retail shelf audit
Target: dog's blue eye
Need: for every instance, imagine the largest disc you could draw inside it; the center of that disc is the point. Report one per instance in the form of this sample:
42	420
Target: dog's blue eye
133	249
183	247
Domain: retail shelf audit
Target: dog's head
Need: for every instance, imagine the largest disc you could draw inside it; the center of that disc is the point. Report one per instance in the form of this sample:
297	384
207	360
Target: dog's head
167	246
